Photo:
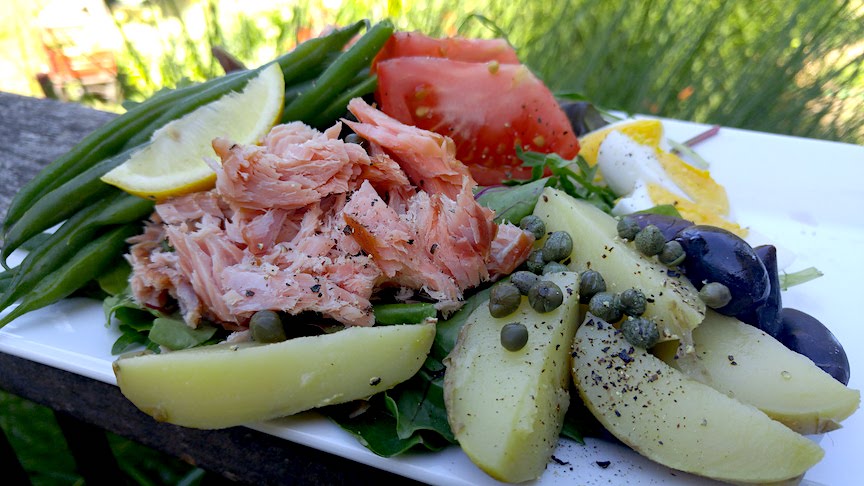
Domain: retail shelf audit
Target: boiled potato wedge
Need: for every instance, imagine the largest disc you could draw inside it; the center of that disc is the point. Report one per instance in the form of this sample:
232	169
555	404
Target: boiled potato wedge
673	302
231	384
506	408
679	422
751	366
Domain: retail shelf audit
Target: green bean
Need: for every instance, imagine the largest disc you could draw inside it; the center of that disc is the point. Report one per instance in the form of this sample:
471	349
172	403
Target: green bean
295	65
118	208
99	144
338	106
6	278
137	125
61	203
403	313
86	264
338	75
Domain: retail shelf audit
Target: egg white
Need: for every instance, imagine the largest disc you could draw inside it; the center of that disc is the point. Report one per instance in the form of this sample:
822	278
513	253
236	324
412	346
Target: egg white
628	167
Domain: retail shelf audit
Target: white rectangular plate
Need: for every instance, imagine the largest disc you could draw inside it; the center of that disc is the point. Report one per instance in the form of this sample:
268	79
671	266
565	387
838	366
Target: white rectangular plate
804	196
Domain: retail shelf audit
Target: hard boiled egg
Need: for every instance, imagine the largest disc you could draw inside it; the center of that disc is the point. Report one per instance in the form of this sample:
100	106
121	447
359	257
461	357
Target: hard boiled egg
644	175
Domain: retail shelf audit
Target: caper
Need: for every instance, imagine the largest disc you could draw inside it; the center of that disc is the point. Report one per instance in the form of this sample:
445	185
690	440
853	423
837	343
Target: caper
504	299
672	254
640	331
632	302
535	261
514	336
545	296
523	280
534	225
266	326
553	267
558	246
650	240
590	282
604	306
354	138
627	228
715	295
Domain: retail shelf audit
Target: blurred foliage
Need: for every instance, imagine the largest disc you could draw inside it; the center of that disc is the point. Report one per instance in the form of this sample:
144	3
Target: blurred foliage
791	67
42	450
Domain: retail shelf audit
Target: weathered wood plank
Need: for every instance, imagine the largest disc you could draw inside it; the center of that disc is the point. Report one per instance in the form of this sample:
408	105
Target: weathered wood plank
36	131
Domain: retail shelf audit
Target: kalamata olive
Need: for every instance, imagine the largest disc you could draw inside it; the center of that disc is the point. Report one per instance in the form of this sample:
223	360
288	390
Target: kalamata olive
631	302
590	283
524	280
668	225
806	335
766	314
504	299
640	331
583	116
266	327
534	225
557	246
514	336
545	296
717	255
605	306
649	240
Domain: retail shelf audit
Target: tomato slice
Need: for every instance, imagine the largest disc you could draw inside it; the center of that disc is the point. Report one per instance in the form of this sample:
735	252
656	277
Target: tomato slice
415	44
486	109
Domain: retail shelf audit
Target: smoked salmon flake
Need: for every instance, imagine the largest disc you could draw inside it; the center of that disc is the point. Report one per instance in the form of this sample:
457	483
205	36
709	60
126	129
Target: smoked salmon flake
306	222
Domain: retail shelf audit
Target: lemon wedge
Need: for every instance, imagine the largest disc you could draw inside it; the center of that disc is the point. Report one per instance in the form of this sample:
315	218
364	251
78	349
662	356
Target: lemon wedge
173	162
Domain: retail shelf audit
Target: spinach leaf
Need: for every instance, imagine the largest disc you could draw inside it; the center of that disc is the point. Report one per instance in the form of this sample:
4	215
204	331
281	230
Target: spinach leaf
511	203
174	334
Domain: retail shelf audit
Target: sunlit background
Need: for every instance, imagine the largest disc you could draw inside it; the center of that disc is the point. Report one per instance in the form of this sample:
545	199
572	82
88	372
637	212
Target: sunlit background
782	66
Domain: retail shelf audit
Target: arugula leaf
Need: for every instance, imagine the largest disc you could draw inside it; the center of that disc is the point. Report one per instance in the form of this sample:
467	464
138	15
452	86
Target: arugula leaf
575	177
797	278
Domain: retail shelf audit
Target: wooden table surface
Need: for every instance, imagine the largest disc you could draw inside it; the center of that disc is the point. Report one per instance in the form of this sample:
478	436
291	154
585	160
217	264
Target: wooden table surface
34	132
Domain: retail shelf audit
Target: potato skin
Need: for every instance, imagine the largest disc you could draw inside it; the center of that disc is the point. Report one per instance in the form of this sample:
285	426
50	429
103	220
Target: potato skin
806	335
506	408
744	362
677	421
225	385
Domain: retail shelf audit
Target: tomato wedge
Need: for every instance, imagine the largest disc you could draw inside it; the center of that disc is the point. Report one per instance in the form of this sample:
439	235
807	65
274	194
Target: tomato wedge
414	44
487	108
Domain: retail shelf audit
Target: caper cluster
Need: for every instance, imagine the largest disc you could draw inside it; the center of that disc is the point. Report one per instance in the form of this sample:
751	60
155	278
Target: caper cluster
543	295
612	307
650	241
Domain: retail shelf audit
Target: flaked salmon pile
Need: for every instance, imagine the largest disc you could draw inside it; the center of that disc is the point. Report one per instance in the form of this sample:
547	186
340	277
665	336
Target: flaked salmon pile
307	222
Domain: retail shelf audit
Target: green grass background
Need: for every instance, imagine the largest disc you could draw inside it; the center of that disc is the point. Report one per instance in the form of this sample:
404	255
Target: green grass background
789	67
